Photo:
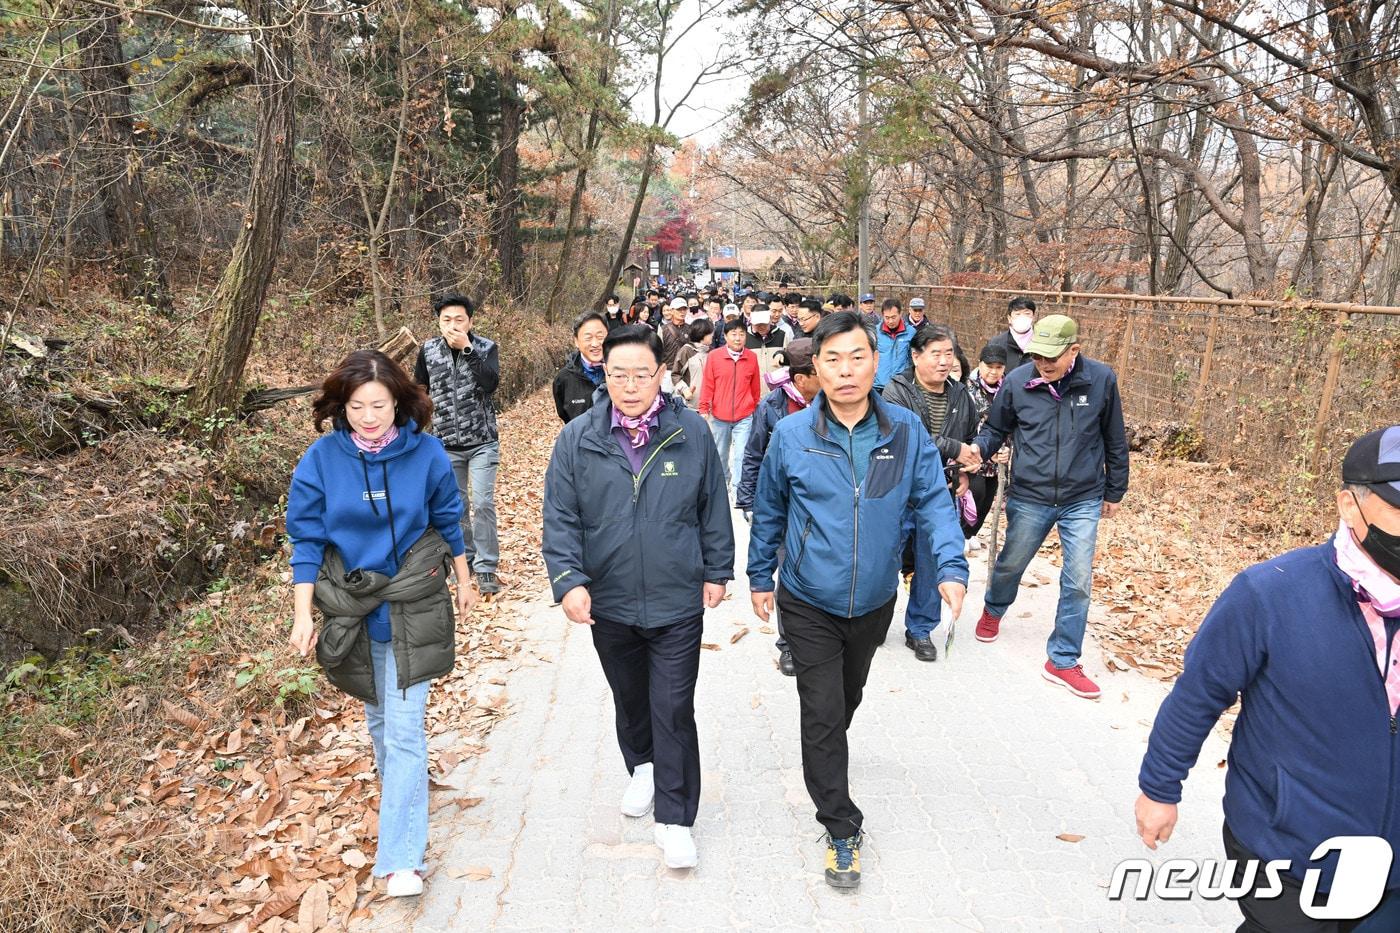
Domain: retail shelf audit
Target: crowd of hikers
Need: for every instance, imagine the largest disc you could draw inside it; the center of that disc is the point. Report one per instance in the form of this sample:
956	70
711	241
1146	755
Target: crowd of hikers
860	446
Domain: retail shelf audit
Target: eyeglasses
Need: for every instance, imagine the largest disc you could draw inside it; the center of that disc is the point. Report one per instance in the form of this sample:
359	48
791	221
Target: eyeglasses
1048	359
631	379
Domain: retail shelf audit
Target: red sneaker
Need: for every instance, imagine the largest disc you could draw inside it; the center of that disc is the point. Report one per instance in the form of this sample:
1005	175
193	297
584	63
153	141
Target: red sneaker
1072	679
988	627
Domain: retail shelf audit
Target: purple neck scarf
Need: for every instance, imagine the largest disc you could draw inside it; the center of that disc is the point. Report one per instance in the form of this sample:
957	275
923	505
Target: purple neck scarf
642	424
1038	381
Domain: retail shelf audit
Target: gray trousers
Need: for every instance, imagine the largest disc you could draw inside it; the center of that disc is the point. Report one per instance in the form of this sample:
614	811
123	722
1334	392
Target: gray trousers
475	469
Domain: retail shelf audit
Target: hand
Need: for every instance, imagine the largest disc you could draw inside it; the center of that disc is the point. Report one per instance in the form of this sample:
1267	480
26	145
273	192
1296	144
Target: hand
1110	509
748	516
1155	821
762	605
1002	456
953	593
456	339
578	605
466	599
713	593
962	484
303	637
970	457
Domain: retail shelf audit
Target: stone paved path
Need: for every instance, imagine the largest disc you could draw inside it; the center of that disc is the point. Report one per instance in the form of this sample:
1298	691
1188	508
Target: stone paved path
966	769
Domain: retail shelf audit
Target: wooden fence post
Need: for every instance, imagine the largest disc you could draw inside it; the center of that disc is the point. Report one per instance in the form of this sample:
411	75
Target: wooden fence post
1122	367
1329	389
1207	362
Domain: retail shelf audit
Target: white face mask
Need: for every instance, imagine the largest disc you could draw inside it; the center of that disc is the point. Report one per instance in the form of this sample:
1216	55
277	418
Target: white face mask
1021	323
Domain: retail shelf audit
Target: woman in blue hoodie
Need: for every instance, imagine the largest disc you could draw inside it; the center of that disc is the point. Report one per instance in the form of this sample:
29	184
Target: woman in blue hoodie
370	489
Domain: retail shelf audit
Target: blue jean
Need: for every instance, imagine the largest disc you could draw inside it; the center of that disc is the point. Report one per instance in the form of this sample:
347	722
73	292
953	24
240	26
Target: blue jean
475	470
925	607
731	437
1027	524
401	755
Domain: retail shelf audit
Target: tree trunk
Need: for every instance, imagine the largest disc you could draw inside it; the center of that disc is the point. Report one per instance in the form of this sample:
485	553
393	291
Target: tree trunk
238	299
505	223
591	141
625	246
116	164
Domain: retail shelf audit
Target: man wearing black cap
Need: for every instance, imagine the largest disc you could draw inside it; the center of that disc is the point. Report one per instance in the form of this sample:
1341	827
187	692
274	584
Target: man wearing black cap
1311	643
794	386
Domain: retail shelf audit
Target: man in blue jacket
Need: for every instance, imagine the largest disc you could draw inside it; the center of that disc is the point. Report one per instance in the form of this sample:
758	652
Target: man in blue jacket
834	487
1064	414
892	339
638	542
1311	642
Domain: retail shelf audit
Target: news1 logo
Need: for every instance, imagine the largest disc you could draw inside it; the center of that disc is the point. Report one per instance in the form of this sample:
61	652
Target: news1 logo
1363	866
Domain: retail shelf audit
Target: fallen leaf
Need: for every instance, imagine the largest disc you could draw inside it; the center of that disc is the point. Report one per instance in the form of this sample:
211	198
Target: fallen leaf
709	646
738	635
354	858
315	908
1070	837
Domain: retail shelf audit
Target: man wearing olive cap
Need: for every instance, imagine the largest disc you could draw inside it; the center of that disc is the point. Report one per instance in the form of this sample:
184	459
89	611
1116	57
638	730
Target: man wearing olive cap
1064	415
1311	643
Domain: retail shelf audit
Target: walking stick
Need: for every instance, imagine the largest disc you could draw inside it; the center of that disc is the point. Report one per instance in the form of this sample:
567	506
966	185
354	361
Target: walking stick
996	518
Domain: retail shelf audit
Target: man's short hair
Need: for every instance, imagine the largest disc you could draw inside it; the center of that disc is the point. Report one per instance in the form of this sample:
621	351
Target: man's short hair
449	300
792	298
614	298
1018	303
891	303
932	333
840	300
734	323
811	304
700	330
639	334
587	316
841	322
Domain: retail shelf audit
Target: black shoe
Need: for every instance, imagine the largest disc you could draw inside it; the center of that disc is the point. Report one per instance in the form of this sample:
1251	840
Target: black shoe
487	583
843	861
786	664
924	649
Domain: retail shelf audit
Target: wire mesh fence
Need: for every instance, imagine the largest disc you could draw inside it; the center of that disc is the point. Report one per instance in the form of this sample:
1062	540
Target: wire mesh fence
1274	385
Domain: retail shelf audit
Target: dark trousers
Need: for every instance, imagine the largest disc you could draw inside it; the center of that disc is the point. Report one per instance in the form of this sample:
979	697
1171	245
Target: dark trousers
832	655
652	673
1283	914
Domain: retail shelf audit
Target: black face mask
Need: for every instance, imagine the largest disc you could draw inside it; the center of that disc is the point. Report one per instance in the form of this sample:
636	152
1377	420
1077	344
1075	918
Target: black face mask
1381	546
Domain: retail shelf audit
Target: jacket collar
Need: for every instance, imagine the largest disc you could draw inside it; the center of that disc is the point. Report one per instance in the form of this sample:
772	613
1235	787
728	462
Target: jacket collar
598	434
822	427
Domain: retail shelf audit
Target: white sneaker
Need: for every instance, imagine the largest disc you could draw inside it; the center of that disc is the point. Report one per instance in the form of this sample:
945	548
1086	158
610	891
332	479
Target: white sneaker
405	884
636	799
677	846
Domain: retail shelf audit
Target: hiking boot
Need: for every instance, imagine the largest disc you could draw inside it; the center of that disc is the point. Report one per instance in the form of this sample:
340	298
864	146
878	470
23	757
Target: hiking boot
488	583
637	798
786	664
843	861
923	647
404	884
677	846
988	627
1072	679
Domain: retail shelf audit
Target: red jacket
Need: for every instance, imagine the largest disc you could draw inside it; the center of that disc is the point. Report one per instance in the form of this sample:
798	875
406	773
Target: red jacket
730	389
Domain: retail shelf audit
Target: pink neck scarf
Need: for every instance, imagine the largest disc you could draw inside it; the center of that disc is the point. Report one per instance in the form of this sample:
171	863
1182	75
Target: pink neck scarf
642	424
373	445
1366	577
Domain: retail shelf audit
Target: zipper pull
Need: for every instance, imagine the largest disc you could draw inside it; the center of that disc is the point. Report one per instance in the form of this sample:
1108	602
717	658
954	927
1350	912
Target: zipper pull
1393	726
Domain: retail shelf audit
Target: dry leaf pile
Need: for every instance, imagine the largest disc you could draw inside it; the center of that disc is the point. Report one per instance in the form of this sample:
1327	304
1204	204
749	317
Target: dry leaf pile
1184	531
206	805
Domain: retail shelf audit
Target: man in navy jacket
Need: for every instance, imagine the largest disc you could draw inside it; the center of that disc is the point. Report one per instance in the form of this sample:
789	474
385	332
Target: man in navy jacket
833	490
1311	642
638	541
1063	412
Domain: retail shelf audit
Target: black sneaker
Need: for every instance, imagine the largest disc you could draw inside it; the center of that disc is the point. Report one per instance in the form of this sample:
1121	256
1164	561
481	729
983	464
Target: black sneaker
924	649
843	861
487	583
786	664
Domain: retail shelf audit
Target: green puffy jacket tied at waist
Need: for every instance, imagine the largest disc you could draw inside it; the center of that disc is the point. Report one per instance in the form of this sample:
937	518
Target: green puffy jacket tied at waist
420	618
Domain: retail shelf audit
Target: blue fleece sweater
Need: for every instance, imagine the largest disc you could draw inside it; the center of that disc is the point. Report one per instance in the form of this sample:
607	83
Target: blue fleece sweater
1315	752
343	497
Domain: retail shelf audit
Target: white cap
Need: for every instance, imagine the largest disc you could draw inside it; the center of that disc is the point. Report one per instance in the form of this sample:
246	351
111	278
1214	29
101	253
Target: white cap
678	303
760	316
731	309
